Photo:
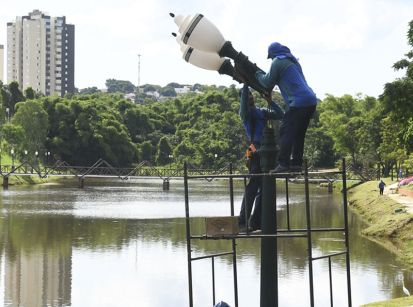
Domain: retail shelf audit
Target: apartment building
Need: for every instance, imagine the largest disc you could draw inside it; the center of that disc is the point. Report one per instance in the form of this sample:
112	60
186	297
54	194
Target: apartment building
1	63
41	53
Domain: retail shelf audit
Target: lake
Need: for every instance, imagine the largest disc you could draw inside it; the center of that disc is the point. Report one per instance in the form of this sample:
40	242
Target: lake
122	244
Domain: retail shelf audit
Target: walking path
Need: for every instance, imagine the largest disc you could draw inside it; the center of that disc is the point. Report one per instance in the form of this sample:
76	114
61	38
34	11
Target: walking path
407	201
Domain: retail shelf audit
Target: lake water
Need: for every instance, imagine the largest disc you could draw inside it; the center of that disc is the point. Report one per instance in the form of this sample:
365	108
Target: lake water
124	244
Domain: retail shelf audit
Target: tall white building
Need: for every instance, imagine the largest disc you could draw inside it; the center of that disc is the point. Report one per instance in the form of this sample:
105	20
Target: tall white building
1	63
41	53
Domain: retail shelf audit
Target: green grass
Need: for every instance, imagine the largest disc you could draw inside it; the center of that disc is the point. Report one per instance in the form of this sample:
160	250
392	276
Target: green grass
398	302
7	160
393	230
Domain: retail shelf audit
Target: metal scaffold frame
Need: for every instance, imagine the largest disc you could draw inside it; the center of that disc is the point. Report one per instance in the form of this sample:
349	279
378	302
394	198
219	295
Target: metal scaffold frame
287	233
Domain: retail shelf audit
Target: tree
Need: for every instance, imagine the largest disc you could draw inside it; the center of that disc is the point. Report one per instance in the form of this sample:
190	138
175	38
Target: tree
390	143
408	163
319	148
15	96
89	90
31	116
174	85
150	88
13	136
146	151
397	98
167	91
29	93
163	152
121	86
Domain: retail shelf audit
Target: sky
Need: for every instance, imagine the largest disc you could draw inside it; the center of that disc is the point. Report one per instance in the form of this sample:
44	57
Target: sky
344	46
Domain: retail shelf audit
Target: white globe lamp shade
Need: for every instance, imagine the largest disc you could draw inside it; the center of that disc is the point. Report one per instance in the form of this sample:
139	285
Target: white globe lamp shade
201	59
199	33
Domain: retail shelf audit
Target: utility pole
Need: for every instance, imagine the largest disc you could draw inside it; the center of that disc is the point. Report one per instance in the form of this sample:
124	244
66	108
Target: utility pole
139	73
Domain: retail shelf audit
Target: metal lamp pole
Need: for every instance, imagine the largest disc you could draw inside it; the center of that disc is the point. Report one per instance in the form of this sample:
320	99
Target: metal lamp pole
12	159
203	45
269	278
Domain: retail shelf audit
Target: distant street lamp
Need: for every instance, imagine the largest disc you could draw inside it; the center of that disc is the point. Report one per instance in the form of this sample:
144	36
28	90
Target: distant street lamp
25	159
47	154
12	158
170	160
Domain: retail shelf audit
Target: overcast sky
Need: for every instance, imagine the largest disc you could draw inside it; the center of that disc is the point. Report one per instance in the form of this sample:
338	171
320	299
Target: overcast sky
344	46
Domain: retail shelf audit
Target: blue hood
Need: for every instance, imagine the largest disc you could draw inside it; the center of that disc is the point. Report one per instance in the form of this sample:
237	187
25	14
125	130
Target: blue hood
276	50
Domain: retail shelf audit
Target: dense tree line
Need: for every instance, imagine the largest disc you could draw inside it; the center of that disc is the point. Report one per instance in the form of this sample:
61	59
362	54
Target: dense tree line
202	128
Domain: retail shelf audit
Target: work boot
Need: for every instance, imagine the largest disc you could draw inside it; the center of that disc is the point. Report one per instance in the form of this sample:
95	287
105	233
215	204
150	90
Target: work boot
280	169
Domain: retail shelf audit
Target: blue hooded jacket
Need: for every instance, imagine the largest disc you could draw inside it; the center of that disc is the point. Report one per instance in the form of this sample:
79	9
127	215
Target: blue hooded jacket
253	118
286	72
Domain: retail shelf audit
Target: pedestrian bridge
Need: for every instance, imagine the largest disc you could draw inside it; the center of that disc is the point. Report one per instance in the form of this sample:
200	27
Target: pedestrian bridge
103	169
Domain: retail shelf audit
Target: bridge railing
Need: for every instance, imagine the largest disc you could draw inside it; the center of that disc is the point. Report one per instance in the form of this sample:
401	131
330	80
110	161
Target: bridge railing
104	169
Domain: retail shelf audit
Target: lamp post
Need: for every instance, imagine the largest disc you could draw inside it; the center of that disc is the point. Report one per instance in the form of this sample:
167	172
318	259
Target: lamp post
25	160
8	114
203	45
36	153
47	154
170	161
12	158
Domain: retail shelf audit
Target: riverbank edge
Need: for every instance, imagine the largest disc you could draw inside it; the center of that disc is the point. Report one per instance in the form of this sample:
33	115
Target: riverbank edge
387	221
387	224
397	302
35	179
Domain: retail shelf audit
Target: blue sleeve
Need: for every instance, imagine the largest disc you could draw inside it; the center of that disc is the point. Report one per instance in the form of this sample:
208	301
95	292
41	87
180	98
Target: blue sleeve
269	79
244	109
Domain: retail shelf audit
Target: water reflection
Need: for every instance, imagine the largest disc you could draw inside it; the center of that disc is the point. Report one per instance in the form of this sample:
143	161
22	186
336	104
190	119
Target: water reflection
124	245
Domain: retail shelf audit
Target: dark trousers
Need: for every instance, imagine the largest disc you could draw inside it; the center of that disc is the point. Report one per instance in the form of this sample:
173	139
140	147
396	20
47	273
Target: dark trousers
381	191
252	193
292	134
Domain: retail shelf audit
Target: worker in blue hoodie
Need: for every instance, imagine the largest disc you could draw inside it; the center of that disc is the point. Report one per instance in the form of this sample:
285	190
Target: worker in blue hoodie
254	120
301	101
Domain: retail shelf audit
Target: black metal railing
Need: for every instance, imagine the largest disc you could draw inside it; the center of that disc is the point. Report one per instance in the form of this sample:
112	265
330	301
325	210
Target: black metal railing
284	233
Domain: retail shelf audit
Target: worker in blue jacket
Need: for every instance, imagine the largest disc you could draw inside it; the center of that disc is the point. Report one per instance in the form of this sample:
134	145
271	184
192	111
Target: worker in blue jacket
254	120
301	101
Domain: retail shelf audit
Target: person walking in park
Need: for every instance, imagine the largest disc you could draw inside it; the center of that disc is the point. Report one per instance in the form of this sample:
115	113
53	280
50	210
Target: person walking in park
301	101
254	120
381	186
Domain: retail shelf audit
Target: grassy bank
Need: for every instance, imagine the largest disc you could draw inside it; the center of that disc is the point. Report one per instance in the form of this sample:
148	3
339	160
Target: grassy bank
398	302
35	179
387	226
